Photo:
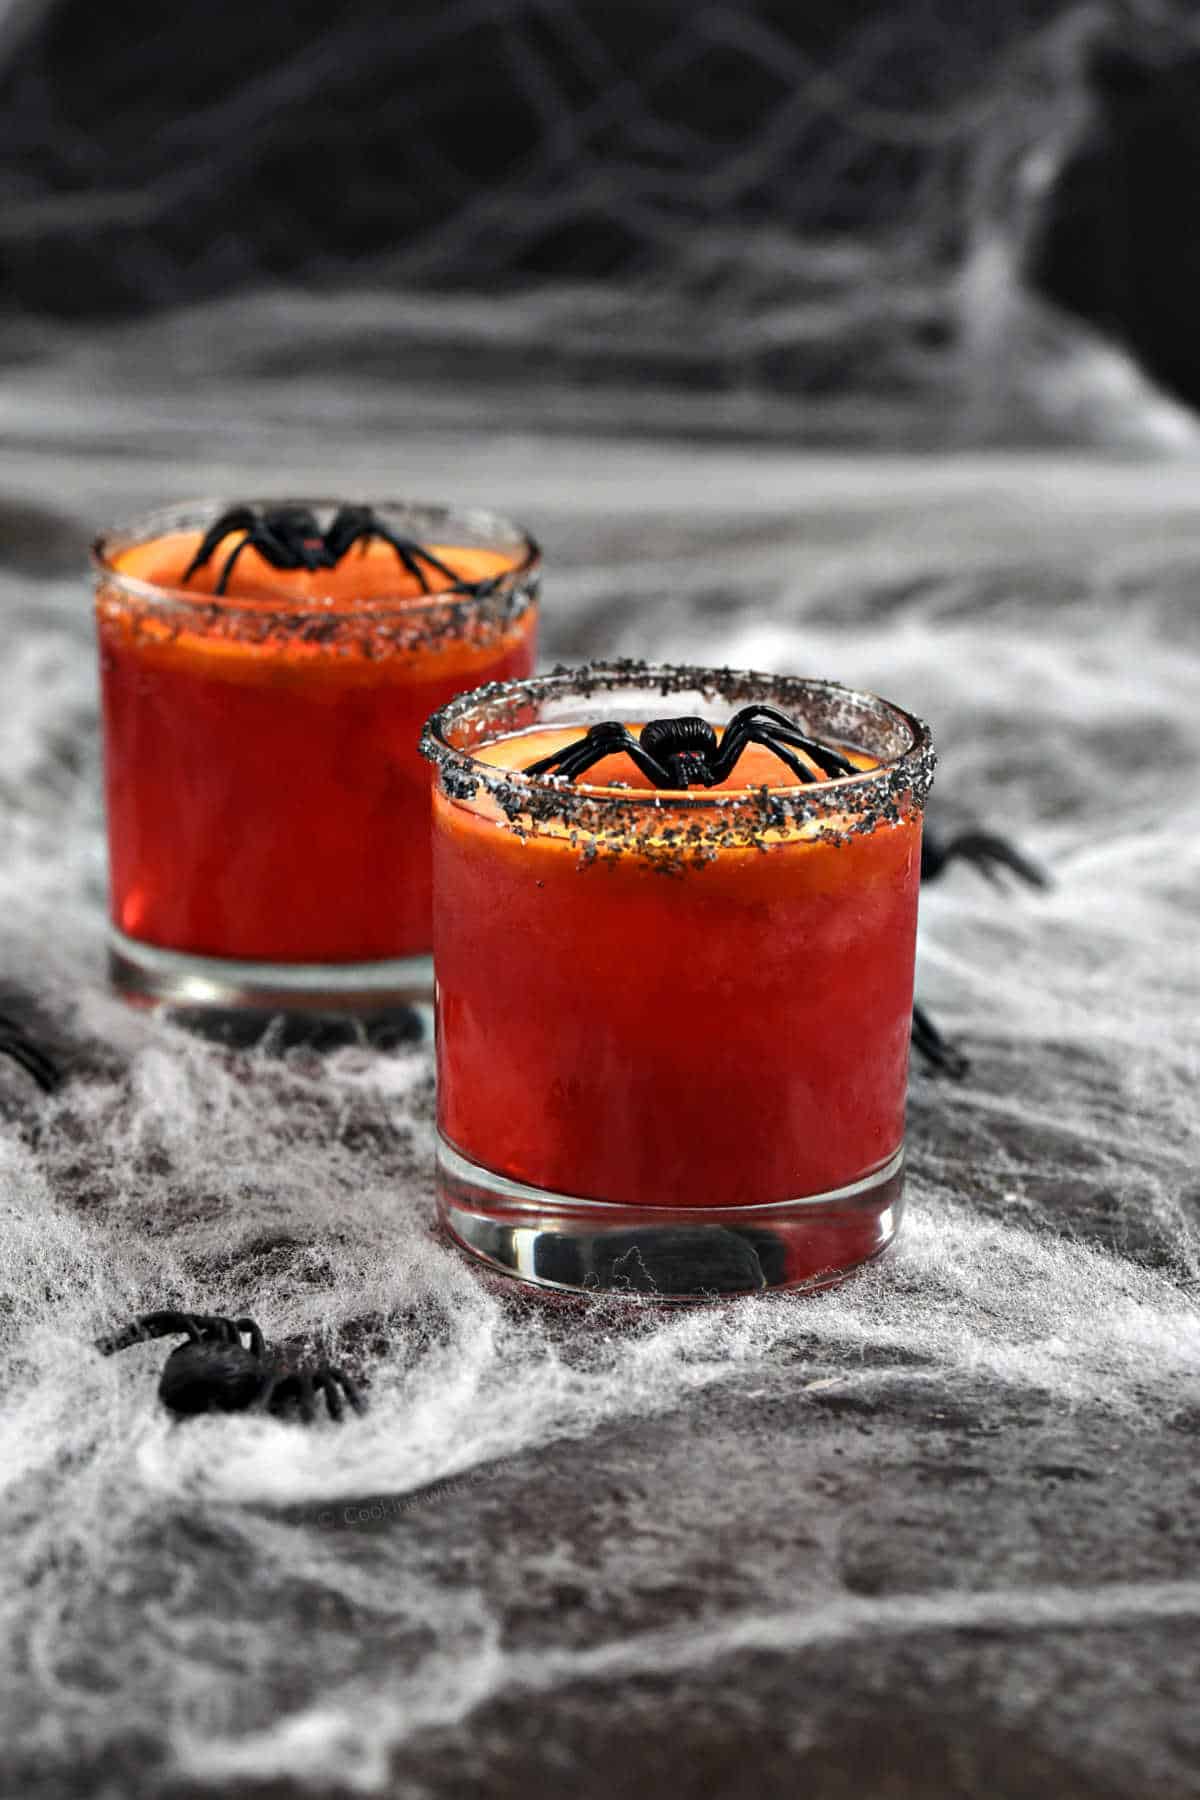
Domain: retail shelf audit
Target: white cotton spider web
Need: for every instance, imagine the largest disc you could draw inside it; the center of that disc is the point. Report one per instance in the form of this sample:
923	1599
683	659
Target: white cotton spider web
240	1598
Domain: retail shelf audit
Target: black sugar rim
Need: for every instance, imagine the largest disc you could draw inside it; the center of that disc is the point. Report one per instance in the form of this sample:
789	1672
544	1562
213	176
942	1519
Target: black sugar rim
608	820
450	612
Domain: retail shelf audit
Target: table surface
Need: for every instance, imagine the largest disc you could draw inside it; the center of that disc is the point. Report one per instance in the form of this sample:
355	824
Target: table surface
934	1533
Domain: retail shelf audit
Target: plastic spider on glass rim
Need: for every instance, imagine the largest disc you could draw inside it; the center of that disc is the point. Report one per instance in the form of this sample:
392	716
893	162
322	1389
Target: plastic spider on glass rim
290	537
686	753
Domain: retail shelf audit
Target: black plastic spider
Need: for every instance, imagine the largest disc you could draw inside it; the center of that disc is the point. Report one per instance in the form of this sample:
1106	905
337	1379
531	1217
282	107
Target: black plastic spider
215	1372
21	1049
984	851
290	537
685	753
990	855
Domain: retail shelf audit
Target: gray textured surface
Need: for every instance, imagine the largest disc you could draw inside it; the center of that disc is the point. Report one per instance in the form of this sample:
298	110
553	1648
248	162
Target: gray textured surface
931	1535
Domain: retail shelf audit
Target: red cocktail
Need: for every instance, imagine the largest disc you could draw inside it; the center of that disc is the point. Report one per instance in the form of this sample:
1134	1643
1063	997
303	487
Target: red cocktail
268	811
673	1025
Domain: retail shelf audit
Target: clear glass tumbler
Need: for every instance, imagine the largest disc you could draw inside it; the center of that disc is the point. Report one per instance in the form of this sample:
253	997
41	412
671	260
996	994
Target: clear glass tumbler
268	810
673	1025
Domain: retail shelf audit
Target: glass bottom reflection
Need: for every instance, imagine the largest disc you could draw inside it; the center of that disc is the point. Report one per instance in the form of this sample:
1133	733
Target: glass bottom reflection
671	1253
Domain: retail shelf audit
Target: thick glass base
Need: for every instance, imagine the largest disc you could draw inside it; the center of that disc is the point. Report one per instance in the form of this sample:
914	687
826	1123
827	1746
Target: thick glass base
221	991
557	1241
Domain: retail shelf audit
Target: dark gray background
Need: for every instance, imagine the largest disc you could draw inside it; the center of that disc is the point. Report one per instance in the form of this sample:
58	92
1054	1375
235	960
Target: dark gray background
867	222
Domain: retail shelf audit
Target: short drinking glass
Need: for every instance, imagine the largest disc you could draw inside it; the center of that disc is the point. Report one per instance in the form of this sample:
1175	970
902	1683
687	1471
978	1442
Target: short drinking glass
673	1025
268	810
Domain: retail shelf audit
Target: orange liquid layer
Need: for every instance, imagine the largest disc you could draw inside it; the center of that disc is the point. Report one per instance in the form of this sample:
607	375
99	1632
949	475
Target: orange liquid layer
732	1034
266	799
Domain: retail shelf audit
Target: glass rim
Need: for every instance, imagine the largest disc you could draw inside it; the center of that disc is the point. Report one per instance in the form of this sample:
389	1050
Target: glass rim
866	797
194	513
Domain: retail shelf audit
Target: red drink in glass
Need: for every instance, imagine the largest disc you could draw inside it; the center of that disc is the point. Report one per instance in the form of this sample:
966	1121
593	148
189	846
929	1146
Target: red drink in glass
266	801
665	1015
